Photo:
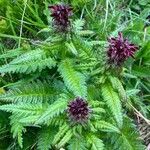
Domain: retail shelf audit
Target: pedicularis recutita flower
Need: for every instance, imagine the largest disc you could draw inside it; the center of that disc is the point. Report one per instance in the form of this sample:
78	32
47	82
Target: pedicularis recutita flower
78	110
120	49
61	14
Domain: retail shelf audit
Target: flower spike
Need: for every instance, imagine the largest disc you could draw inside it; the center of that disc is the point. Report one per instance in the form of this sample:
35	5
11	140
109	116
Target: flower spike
120	49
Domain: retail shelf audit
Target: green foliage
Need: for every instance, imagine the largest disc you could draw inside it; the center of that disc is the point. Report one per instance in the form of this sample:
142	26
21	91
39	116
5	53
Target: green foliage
29	62
54	109
62	131
22	108
65	139
35	92
141	72
77	144
96	143
78	28
75	81
113	102
105	126
45	138
12	53
127	139
116	83
17	128
43	70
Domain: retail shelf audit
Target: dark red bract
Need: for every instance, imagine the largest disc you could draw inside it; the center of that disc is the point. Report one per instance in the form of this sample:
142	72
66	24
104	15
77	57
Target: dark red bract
120	49
78	110
61	14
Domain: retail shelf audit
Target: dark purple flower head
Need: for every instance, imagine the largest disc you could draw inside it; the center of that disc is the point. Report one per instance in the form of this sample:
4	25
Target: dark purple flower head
120	49
61	14
78	110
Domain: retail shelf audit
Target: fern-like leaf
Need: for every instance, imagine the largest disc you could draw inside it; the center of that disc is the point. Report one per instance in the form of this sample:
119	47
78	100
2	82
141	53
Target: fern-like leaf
17	128
45	138
29	62
65	139
54	109
78	28
62	131
72	48
74	80
116	83
12	53
35	92
113	102
105	126
22	108
128	139
77	144
95	142
78	25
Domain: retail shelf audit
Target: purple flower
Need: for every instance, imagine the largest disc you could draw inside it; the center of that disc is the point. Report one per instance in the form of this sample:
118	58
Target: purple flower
120	49
78	110
61	14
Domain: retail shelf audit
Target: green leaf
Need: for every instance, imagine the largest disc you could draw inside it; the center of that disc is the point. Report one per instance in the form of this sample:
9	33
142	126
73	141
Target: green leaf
35	92
45	138
22	108
75	81
29	62
145	50
132	92
48	29
95	142
98	110
17	128
53	110
28	120
141	71
105	126
128	139
61	133
78	25
65	139
77	144
72	48
11	36
113	102
143	2
12	53
116	83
